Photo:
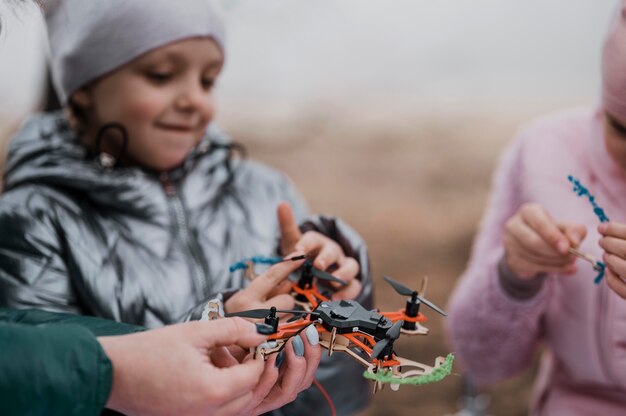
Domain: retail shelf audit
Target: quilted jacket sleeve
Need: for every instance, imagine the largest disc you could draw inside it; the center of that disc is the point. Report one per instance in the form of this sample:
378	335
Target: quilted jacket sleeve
52	369
33	273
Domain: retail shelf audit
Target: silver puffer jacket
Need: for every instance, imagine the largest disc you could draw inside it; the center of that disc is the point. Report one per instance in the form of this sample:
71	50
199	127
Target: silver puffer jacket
146	248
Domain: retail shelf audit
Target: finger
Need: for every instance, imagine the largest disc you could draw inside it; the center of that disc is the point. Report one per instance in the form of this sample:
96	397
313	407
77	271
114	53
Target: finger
616	283
312	356
616	264
524	264
267	381
348	270
267	281
329	253
613	245
529	240
349	292
311	242
232	382
517	253
225	332
540	221
235	406
238	352
575	233
286	390
289	230
279	302
613	229
222	358
292	369
541	260
283	287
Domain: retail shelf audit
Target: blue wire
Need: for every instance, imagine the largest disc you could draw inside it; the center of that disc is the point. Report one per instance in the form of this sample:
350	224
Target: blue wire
243	264
582	191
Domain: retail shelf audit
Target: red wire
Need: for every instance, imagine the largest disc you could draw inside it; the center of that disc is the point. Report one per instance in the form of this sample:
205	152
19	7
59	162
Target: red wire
326	396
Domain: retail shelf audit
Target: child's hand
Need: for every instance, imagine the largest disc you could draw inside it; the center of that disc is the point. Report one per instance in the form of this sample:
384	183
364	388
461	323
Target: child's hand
268	289
534	243
326	251
613	242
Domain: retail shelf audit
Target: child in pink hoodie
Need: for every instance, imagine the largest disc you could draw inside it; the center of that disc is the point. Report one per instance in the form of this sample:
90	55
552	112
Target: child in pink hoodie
522	288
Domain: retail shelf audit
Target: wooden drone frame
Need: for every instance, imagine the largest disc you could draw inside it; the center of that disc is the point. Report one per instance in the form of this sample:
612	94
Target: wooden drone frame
400	367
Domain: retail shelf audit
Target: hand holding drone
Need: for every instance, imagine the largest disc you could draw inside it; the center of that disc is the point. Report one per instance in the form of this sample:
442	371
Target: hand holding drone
346	326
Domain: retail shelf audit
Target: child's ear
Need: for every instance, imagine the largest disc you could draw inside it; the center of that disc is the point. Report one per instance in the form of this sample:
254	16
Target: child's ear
82	98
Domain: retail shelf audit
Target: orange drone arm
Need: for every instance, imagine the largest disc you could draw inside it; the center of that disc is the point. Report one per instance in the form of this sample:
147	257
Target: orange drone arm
401	316
367	347
290	329
313	296
354	339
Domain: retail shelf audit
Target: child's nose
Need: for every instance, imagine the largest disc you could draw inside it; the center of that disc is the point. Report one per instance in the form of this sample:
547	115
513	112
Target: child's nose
191	98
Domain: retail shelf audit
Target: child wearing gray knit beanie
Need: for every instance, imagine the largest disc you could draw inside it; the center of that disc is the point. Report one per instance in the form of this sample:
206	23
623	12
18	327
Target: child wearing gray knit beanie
129	204
91	38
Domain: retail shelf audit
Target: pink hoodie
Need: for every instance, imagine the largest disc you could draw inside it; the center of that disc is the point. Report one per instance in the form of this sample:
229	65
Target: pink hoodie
582	325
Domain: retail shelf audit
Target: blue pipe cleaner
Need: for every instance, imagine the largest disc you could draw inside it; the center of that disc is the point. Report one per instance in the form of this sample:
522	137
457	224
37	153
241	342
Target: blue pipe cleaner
582	191
242	264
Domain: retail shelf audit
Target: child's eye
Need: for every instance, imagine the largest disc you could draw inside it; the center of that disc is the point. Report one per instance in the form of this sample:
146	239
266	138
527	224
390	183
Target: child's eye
207	83
618	127
159	77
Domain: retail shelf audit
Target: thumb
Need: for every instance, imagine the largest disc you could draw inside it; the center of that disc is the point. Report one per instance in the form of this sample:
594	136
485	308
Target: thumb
229	331
575	233
289	230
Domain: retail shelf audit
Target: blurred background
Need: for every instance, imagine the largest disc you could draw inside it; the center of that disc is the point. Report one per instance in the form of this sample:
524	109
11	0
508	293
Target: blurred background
389	114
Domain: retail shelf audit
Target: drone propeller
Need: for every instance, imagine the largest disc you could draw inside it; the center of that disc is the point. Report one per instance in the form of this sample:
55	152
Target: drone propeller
405	291
386	344
327	276
262	313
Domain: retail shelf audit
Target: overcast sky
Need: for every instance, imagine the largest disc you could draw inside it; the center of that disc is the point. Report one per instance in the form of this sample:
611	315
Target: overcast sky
305	50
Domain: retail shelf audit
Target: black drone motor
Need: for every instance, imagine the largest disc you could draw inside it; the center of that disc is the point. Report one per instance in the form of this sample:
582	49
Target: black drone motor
412	310
272	319
383	350
413	303
306	279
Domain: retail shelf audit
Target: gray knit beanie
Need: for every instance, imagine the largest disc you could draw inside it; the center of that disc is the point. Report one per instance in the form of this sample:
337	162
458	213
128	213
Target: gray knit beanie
89	38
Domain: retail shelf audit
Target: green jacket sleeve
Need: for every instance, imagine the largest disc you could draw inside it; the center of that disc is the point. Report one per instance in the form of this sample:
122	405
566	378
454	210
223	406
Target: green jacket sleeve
97	326
52	370
52	364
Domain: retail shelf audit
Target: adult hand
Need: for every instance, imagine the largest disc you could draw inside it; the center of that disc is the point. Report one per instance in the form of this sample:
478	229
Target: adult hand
280	384
168	371
613	242
534	243
325	251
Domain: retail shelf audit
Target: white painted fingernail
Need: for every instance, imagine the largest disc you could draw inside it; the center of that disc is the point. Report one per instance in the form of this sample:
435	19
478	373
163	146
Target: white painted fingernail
312	335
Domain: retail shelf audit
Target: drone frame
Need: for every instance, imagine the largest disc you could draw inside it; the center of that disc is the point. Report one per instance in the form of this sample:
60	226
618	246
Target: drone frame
400	368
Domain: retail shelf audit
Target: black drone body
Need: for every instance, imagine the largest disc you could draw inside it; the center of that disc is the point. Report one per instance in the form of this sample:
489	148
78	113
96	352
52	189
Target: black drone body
349	316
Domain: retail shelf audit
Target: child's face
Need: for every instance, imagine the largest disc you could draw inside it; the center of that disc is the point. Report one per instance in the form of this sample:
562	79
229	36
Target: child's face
615	138
164	98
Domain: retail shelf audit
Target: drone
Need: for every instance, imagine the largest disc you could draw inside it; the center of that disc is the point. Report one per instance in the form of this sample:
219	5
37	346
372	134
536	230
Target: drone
346	326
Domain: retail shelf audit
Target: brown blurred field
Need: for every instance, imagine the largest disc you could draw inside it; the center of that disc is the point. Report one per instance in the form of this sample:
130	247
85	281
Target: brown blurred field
415	187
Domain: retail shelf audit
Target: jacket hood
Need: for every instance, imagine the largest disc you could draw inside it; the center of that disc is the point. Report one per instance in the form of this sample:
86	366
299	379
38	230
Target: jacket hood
46	151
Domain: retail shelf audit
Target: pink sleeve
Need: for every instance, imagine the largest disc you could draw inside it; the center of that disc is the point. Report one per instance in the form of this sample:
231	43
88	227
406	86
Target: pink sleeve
494	335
